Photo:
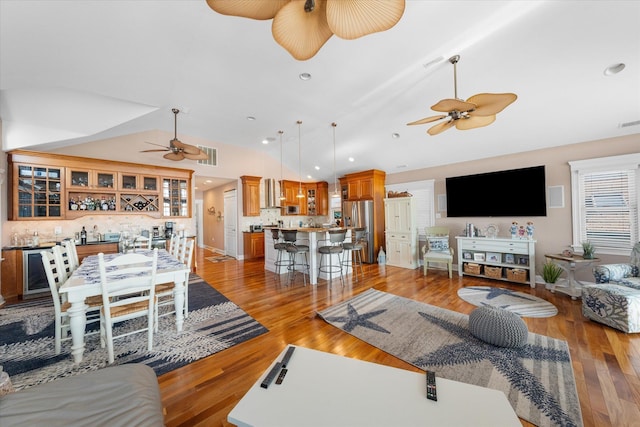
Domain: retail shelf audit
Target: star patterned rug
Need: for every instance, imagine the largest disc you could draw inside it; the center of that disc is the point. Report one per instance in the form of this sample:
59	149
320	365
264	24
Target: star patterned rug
523	304
537	378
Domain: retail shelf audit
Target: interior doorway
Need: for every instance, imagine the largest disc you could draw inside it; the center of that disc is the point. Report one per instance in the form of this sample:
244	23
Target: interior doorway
230	223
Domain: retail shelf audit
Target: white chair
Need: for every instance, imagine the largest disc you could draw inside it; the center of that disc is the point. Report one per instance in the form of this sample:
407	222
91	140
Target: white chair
54	273
164	291
128	292
141	242
72	251
437	248
177	246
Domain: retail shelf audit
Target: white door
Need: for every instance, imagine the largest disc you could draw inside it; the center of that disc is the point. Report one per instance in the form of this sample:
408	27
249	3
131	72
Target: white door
199	223
230	223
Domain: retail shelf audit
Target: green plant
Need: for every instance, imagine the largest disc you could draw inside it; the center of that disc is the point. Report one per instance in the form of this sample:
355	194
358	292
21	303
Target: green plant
588	250
551	272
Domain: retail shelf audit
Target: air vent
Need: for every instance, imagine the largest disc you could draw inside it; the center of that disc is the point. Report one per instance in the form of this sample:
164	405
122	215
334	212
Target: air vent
212	156
627	124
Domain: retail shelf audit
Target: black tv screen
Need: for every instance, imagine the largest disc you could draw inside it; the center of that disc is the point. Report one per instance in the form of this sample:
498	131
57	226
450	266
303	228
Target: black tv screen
515	192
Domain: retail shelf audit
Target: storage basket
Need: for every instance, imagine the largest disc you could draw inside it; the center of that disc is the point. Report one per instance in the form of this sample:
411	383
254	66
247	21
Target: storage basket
472	268
517	275
493	272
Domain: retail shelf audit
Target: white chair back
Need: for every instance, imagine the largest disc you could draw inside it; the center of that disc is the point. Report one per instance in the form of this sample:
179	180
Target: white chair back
72	252
141	242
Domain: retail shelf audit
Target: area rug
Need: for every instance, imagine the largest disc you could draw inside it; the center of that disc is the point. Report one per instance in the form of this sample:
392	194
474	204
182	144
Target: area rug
537	378
522	304
27	344
220	258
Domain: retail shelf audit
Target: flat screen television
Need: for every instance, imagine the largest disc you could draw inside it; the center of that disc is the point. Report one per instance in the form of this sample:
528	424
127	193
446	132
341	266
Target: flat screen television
515	192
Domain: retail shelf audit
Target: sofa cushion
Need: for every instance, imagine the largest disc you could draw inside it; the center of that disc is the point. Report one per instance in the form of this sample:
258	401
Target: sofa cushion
498	326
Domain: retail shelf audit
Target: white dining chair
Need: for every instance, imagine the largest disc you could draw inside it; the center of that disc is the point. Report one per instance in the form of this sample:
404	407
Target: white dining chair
141	242
165	291
177	246
128	292
54	273
72	251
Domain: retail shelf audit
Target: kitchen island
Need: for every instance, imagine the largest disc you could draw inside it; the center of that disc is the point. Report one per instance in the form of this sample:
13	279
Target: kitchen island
314	237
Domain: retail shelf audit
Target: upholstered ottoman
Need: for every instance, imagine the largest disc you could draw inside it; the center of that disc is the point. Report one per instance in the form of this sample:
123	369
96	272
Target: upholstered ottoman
617	306
498	327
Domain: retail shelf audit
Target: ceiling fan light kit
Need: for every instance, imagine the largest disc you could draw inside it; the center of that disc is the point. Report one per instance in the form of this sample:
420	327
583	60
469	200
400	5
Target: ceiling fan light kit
302	27
478	111
178	150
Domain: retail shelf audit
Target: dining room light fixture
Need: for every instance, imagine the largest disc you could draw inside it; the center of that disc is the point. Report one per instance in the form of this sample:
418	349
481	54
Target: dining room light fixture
302	27
336	193
282	196
300	194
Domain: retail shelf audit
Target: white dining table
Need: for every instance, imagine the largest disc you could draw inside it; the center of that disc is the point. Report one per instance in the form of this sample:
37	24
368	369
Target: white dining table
85	282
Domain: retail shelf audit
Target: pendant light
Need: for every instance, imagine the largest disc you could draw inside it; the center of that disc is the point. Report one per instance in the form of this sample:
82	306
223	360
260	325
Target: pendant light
300	194
282	196
336	193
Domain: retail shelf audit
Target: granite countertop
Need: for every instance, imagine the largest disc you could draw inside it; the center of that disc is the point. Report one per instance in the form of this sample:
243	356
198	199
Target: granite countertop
45	245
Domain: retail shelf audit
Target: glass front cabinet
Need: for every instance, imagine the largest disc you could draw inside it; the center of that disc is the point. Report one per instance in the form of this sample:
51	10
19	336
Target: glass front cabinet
37	193
175	195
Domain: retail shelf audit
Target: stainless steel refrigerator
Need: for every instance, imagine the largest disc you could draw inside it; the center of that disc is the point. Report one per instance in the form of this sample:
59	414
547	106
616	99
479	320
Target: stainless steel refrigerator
360	214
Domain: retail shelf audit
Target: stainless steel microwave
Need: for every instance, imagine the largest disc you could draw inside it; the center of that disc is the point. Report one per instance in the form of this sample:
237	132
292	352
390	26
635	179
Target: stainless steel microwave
293	210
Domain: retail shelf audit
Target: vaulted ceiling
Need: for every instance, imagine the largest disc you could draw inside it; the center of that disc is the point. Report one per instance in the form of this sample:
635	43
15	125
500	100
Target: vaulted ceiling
72	72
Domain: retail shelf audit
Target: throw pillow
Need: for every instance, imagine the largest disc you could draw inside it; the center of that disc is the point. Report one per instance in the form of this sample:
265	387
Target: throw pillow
438	244
498	326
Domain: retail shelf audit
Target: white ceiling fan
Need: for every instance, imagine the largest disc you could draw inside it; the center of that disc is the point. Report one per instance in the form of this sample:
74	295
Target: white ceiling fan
178	150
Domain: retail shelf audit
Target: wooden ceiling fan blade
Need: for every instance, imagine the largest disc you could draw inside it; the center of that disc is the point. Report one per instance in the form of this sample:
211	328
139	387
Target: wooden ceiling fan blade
473	122
200	156
186	148
260	10
427	120
447	105
174	156
352	19
155	150
301	33
441	127
489	104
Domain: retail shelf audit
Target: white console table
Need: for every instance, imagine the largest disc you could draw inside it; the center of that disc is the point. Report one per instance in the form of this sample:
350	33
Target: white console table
323	389
498	252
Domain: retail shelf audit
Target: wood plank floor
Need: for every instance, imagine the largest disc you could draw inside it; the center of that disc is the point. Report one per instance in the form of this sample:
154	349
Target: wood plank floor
606	362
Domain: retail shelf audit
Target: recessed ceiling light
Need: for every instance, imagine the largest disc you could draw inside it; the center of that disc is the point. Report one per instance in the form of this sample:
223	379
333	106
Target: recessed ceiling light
351	159
317	168
265	141
305	76
614	69
251	118
268	140
395	135
309	177
208	181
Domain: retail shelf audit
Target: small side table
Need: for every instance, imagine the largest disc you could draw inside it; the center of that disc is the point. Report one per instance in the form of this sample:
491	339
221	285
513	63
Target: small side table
570	264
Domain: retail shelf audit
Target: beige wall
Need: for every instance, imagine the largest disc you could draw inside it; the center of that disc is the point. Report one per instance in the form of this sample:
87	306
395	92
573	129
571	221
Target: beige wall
553	232
213	230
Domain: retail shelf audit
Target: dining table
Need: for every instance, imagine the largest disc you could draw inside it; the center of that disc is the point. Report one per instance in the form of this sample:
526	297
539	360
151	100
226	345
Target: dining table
85	282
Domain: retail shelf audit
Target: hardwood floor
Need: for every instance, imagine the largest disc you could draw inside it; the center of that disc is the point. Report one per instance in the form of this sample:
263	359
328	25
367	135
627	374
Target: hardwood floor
606	362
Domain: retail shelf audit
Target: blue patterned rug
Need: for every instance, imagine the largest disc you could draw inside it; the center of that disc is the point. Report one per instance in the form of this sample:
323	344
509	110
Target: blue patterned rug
523	304
537	378
27	345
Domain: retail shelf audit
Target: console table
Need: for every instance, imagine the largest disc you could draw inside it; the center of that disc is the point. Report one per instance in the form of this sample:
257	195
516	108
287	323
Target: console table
500	255
323	389
570	264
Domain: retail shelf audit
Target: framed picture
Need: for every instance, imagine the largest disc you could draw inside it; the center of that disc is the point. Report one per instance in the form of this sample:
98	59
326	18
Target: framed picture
523	260
494	257
478	256
509	259
467	255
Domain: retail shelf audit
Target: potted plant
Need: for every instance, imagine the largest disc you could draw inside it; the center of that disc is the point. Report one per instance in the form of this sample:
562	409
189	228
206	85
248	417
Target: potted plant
588	250
551	272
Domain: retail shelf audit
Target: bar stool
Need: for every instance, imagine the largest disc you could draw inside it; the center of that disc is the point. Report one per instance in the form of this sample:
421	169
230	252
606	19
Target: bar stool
293	249
336	239
355	247
281	248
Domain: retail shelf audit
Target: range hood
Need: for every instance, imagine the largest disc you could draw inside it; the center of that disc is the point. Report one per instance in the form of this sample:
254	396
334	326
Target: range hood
271	196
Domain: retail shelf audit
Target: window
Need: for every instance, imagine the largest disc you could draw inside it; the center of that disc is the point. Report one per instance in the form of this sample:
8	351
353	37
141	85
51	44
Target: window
605	197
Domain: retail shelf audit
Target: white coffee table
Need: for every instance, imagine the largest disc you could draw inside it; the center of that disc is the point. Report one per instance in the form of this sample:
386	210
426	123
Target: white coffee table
323	389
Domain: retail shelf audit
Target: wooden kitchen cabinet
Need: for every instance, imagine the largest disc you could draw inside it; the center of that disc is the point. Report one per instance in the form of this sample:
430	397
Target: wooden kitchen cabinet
250	195
35	192
95	248
322	198
315	202
253	245
11	274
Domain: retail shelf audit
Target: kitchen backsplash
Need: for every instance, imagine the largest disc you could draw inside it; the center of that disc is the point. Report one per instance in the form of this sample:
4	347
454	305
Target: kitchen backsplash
272	216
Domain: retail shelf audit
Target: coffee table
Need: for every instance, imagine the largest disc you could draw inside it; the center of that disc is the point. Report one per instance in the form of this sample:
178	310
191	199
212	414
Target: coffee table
323	389
571	286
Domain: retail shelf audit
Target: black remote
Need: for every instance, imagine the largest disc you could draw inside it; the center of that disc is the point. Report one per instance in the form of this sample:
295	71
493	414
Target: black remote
271	375
431	386
287	356
283	372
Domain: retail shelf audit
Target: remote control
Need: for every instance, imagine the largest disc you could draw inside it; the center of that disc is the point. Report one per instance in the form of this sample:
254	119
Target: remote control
283	372
431	386
287	356
271	375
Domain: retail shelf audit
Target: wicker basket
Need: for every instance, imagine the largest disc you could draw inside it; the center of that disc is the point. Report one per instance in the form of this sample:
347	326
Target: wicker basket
493	272
472	268
517	275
